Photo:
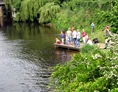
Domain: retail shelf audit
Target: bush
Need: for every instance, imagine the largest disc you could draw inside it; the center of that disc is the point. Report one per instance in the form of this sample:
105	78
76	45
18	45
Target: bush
93	70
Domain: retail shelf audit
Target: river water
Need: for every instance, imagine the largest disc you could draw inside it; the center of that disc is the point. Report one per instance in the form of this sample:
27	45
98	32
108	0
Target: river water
27	53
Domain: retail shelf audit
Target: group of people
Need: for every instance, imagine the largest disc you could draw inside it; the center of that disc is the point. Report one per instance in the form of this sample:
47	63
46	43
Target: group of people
72	36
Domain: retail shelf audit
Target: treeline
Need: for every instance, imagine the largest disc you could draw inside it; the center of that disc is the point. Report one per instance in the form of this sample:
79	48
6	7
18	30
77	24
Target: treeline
65	13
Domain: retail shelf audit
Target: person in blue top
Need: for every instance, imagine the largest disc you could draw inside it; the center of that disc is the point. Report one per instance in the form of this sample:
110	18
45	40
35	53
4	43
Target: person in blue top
62	36
92	27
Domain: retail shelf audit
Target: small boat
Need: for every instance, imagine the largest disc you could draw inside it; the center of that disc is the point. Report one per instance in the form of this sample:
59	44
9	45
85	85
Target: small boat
69	47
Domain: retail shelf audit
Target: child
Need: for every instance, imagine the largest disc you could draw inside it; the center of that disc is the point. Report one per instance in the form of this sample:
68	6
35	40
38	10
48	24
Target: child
57	41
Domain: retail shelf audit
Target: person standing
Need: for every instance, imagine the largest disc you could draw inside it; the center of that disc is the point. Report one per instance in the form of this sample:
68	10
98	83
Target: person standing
78	38
62	36
84	36
92	27
74	35
69	36
106	31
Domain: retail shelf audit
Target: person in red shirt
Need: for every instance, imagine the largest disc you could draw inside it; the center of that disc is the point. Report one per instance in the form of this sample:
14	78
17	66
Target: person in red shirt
84	36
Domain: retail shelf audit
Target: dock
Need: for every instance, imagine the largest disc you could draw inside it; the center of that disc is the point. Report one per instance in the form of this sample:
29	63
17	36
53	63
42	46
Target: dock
72	47
69	47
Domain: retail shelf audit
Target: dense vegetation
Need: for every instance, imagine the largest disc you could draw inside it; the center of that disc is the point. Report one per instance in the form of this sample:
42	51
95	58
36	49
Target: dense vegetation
93	72
67	13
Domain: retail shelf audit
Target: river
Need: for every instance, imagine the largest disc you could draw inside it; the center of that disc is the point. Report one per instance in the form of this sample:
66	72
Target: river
27	53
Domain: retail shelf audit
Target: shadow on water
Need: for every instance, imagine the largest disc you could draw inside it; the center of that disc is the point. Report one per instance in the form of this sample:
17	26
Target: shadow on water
27	52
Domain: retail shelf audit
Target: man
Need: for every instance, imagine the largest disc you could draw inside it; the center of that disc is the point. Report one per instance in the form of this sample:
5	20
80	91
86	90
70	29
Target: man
92	26
78	38
74	35
69	36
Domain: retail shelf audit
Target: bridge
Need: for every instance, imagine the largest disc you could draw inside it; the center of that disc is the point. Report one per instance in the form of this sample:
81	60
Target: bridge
2	2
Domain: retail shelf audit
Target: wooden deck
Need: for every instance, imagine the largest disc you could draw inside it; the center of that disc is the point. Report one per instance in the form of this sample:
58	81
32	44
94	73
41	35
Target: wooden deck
69	47
72	47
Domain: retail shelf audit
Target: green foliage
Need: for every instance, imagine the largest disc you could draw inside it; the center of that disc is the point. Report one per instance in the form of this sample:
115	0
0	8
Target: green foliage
87	49
31	10
100	34
77	13
114	18
47	12
92	70
24	10
80	14
62	19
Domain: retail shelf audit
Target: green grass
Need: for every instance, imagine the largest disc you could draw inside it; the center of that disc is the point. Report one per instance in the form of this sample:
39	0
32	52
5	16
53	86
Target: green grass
98	34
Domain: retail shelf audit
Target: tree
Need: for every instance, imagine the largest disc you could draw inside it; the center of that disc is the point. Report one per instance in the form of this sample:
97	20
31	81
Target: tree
48	12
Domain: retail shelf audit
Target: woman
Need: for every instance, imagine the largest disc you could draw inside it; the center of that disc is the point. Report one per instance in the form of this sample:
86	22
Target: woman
62	36
84	36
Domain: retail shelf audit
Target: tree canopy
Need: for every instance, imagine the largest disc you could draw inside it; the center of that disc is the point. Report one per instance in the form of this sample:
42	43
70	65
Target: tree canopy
102	12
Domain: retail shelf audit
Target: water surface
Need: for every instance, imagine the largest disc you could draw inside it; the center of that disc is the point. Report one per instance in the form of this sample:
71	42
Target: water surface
27	53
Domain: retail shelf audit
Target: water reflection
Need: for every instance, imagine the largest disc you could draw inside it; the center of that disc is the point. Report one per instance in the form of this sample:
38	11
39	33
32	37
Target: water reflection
1	22
64	55
26	54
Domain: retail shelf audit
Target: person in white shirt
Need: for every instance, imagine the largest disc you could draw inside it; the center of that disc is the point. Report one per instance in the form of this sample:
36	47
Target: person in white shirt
78	38
74	35
89	42
69	36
